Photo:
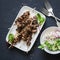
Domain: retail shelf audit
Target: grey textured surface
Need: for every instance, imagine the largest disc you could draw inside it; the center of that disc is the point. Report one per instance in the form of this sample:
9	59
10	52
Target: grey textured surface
8	11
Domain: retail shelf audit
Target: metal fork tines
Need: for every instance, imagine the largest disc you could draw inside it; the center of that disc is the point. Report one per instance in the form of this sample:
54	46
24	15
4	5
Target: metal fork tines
48	6
50	9
44	11
49	12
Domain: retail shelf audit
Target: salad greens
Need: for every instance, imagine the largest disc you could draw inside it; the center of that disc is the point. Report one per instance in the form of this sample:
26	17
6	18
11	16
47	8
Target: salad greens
11	38
40	18
52	47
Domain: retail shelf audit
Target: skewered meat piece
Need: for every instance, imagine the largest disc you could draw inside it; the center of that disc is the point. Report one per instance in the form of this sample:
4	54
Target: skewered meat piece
17	39
24	38
24	35
29	37
25	15
22	19
18	24
26	30
19	29
34	31
34	26
26	27
28	43
34	22
27	21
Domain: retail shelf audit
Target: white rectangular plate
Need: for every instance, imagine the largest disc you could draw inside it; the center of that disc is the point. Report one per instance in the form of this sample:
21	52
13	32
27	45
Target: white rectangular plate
22	45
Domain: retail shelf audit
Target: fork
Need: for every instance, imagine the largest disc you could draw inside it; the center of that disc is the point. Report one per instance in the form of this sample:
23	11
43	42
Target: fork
49	8
49	12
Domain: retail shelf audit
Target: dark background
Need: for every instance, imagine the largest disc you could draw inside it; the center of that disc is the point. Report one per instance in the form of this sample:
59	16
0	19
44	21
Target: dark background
8	11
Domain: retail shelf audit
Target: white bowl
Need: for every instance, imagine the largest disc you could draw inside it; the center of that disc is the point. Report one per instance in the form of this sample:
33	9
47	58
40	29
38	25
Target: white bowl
42	38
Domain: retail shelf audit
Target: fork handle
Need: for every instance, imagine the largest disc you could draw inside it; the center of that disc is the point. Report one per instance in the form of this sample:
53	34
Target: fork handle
56	18
53	15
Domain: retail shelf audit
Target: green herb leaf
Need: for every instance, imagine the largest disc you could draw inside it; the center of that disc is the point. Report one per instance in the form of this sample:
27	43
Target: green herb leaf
11	38
41	46
40	19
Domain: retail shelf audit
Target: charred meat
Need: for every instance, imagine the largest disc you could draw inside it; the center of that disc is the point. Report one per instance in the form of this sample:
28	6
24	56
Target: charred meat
26	26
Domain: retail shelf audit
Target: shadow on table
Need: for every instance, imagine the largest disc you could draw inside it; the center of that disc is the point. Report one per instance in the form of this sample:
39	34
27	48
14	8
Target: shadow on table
52	57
